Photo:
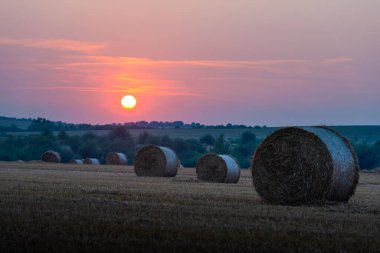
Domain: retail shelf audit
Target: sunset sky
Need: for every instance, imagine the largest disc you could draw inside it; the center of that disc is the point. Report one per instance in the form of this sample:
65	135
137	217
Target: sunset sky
291	62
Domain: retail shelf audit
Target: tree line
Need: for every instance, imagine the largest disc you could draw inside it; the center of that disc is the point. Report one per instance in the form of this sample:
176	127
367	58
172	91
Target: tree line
30	147
41	124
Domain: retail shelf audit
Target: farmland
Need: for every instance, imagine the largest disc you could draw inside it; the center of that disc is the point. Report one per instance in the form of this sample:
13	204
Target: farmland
45	207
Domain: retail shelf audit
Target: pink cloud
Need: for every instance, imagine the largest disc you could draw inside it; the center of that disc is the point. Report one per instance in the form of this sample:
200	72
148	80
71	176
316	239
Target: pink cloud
338	60
109	60
58	44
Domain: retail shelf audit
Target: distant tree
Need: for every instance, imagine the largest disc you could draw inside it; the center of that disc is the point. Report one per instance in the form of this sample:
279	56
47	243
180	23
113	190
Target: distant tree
66	153
376	148
13	128
166	141
89	136
220	145
90	148
178	124
207	139
143	138
179	145
74	142
244	149
155	140
368	159
62	135
40	124
120	132
247	137
190	158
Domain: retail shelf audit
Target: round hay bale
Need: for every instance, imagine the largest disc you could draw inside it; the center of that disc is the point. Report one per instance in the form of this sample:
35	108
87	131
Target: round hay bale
51	156
218	168
92	161
156	161
309	164
114	158
76	161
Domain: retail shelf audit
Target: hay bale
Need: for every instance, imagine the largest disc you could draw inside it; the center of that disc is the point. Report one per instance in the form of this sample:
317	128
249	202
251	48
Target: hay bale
310	164
51	156
114	158
156	161
218	168
92	161
76	161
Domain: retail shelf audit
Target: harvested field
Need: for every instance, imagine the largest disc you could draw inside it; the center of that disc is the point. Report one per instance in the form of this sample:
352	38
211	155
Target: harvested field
63	207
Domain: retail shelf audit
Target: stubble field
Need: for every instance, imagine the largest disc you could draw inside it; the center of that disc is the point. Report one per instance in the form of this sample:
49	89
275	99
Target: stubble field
45	207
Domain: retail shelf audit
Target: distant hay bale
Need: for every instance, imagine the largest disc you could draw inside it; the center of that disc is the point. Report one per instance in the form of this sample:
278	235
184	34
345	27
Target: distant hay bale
92	161
309	164
218	168
156	161
114	158
51	156
76	161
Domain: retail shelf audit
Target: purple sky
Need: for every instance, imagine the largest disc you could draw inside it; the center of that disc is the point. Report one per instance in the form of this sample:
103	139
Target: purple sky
294	62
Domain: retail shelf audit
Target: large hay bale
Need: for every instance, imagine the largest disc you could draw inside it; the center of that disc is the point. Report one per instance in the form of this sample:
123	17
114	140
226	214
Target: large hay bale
114	158
218	168
92	161
156	161
51	156
76	161
309	164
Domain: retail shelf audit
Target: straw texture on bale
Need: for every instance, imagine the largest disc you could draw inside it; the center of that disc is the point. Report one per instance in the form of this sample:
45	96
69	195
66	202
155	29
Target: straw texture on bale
310	164
76	161
218	168
156	161
93	161
51	157
114	158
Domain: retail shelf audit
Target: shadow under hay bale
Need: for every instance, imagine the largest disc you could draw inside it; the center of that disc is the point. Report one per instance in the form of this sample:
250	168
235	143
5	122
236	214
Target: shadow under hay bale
156	161
114	158
92	161
309	164
218	168
51	156
76	161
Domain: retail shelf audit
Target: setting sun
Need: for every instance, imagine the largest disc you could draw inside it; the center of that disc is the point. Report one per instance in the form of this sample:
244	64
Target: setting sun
128	102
